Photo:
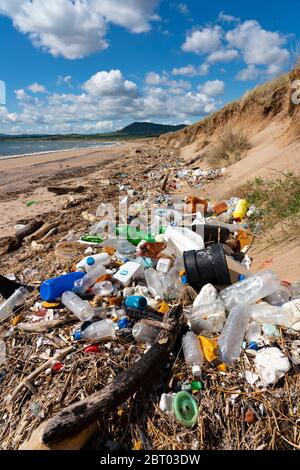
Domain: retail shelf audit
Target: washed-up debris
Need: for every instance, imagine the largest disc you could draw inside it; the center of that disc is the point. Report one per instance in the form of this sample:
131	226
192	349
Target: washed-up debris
93	339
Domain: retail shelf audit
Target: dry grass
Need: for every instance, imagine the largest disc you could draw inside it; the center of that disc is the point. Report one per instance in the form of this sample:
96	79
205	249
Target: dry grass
228	148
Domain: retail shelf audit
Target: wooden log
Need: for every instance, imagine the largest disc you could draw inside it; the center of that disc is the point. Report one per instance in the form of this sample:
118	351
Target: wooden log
79	416
42	231
60	190
30	228
44	326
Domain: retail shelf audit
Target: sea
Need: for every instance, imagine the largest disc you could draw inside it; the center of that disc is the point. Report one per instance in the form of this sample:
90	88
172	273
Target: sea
11	149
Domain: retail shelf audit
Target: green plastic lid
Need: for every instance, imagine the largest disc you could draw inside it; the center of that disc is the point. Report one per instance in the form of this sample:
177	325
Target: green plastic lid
197	385
185	409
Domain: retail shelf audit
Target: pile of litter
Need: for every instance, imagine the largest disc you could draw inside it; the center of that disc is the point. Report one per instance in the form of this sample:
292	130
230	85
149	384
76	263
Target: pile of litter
158	321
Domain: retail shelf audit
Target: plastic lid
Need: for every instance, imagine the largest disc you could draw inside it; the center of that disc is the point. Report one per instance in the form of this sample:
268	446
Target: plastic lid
185	409
77	335
123	323
196	370
242	277
90	261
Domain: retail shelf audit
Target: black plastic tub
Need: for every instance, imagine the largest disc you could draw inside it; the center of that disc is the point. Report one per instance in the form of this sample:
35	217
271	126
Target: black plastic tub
206	266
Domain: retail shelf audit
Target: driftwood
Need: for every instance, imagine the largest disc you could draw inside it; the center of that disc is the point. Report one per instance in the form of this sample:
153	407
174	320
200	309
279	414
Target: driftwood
165	181
44	326
78	417
39	370
59	190
39	234
30	228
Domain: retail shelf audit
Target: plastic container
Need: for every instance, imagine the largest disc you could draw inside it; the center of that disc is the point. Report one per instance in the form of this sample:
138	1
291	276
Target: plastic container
251	289
127	272
88	263
164	265
136	301
287	315
279	297
133	235
17	299
154	283
79	307
103	288
144	333
184	239
89	279
52	289
240	210
206	266
231	338
192	351
98	330
185	409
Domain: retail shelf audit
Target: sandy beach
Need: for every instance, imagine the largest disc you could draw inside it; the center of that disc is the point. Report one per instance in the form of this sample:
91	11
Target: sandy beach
25	179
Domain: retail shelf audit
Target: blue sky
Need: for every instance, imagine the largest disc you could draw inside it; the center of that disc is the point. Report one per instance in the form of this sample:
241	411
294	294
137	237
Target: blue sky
97	65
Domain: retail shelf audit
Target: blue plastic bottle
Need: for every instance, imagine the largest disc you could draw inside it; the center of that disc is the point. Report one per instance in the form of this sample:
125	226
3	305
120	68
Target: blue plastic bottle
53	288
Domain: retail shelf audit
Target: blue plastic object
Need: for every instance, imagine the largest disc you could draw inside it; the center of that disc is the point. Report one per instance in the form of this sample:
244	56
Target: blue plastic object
123	323
90	261
242	277
253	345
136	301
53	288
77	335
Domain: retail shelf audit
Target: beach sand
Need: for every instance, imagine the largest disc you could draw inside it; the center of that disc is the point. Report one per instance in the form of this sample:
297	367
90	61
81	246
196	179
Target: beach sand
25	179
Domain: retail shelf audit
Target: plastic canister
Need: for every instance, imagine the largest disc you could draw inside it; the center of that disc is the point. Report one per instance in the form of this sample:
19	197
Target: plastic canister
89	262
54	288
240	210
136	301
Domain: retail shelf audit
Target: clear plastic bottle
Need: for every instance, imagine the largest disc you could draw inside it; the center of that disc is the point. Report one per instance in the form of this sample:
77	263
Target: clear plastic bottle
279	297
154	282
100	329
103	288
144	333
286	315
83	284
192	351
16	300
79	307
2	353
231	338
250	290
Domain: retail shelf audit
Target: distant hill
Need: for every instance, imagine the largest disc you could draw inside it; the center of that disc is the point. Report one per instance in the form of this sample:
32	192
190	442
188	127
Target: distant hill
134	130
149	129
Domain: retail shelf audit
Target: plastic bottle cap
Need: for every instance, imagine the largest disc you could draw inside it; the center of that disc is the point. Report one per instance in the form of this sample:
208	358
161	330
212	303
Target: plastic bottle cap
242	277
123	323
185	409
77	335
196	370
90	261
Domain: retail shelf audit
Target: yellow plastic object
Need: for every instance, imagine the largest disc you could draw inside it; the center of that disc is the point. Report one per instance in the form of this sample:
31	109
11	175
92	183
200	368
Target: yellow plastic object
240	210
109	249
50	304
222	367
137	445
17	320
164	308
209	348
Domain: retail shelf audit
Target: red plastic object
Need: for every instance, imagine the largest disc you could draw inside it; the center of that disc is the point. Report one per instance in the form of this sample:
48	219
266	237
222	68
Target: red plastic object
57	366
93	349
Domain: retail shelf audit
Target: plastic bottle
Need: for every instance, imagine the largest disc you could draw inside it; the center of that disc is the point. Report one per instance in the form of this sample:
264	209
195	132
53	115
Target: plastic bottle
184	239
154	283
164	265
133	235
98	330
192	351
286	315
251	289
253	332
89	279
52	289
279	297
127	272
17	299
2	353
88	263
144	333
79	307
240	210
231	338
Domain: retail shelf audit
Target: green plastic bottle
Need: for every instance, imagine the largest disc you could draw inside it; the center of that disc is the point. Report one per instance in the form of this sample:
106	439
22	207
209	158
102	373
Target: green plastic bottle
134	235
91	239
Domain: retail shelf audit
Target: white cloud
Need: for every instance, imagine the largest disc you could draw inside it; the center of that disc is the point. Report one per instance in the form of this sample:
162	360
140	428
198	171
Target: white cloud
212	88
191	70
76	28
227	18
37	88
61	80
223	55
259	47
203	41
6	117
249	73
110	84
21	94
154	79
183	8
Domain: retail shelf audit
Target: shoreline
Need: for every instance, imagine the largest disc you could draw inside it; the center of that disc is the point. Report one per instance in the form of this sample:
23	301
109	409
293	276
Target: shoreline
71	149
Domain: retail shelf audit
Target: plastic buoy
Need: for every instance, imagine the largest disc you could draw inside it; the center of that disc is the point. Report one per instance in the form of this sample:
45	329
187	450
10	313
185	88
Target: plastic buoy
185	409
